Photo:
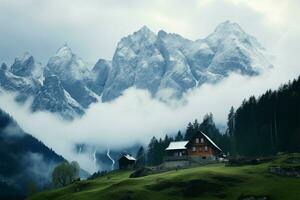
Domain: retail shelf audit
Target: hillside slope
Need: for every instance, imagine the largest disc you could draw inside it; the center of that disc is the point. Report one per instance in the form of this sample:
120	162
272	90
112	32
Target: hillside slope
25	161
206	182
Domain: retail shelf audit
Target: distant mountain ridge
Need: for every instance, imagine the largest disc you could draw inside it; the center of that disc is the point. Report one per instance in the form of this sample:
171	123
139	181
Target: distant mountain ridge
167	65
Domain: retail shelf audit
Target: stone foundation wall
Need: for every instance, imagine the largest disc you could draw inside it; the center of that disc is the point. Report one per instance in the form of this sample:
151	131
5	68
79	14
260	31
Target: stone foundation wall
176	164
189	161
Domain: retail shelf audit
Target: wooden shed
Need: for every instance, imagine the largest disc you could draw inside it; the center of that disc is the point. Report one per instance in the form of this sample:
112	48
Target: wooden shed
126	161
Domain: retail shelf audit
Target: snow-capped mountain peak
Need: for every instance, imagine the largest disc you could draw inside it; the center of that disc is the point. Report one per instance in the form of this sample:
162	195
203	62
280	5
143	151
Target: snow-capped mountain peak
165	64
144	31
54	98
24	57
231	34
66	65
172	63
62	56
229	27
142	37
235	50
74	74
64	51
26	66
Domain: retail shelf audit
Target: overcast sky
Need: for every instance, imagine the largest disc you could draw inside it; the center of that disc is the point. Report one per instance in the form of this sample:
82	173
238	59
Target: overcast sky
92	28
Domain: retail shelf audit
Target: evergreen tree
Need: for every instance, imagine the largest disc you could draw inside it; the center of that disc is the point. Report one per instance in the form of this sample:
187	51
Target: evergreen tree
196	125
208	127
270	123
189	131
160	150
179	136
230	131
230	122
140	158
152	151
167	140
260	126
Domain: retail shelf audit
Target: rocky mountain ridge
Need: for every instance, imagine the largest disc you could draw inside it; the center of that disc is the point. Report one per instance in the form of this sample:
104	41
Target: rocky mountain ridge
165	64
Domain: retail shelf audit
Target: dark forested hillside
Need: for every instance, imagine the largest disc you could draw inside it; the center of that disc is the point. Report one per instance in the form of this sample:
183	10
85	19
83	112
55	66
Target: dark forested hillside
268	124
260	126
25	164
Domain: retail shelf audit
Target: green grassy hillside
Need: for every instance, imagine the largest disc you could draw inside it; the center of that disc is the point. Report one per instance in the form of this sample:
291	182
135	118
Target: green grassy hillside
206	182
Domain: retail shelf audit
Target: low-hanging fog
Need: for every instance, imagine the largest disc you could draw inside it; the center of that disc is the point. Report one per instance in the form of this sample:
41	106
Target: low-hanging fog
136	117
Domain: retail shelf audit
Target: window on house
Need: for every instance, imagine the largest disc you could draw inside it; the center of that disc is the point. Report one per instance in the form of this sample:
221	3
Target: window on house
203	157
205	148
200	148
197	140
202	140
194	149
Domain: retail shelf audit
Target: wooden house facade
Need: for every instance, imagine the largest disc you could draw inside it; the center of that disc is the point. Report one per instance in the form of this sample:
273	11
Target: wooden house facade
198	150
202	147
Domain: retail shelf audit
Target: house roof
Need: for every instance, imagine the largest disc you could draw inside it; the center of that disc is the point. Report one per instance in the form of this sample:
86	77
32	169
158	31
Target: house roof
177	145
207	138
129	157
216	146
182	144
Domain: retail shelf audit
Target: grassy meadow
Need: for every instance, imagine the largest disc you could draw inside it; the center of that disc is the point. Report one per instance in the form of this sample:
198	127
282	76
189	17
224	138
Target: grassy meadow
210	182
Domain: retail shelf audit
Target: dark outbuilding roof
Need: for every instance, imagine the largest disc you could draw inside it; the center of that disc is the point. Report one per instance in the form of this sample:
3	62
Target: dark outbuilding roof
128	157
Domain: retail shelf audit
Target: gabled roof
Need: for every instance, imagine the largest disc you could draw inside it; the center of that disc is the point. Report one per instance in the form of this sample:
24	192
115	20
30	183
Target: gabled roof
180	145
129	157
177	145
207	138
216	146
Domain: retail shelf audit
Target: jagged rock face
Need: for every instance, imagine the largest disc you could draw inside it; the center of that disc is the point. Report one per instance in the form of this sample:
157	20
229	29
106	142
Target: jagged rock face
24	87
73	73
99	76
25	66
167	65
52	97
67	66
137	62
235	51
178	76
79	91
